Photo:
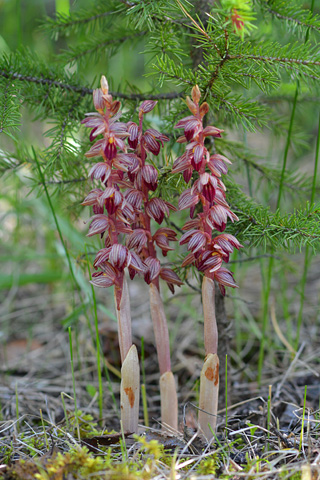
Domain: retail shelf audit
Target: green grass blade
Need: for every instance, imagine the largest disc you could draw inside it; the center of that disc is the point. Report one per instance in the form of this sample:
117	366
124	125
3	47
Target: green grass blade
55	220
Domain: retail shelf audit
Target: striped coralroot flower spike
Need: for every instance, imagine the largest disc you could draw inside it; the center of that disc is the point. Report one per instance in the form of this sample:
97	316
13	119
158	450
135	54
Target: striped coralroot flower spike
125	206
112	216
208	246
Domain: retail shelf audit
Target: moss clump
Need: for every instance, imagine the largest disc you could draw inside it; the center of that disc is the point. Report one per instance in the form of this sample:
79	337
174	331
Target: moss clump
80	464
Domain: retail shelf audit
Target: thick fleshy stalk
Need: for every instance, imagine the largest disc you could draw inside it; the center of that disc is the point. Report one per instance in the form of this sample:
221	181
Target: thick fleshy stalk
160	327
169	402
209	392
129	391
209	379
130	374
209	315
168	394
124	321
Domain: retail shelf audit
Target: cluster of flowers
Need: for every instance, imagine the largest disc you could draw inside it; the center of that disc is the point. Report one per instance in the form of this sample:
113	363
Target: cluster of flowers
207	252
124	205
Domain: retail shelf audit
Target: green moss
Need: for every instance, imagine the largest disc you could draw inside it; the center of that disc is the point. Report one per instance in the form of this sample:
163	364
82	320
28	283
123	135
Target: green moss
208	465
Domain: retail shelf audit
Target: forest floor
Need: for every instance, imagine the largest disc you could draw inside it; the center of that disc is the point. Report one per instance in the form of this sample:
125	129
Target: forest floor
266	431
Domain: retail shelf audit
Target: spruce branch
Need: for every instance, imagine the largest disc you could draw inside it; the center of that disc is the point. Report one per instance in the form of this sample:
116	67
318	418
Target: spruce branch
291	14
76	20
9	108
85	90
278	59
259	227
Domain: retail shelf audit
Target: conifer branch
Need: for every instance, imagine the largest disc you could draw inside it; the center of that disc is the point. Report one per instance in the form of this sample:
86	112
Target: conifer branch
86	90
291	14
224	59
271	59
65	182
4	108
292	19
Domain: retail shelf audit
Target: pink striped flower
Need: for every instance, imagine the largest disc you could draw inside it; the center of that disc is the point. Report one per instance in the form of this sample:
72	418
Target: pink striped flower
158	208
207	251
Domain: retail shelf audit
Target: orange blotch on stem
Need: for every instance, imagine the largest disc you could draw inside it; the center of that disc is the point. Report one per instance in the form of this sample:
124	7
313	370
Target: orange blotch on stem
130	394
213	375
209	374
216	375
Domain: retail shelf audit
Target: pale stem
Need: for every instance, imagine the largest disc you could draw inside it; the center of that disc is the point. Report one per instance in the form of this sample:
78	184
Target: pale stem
169	402
209	392
124	321
160	327
209	315
129	391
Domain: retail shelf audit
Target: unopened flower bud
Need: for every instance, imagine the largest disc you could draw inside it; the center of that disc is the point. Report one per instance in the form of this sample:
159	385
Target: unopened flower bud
195	94
104	85
192	106
204	109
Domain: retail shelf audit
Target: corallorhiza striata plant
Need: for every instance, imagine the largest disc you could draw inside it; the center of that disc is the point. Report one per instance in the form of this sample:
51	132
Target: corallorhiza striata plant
207	250
124	207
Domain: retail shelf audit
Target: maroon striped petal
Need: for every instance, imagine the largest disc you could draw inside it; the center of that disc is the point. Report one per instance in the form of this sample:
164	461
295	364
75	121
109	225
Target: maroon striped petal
151	143
168	232
100	279
198	153
153	269
137	239
157	209
119	256
170	276
192	224
192	128
147	106
100	170
197	241
158	135
150	176
211	261
225	277
96	149
110	149
188	260
182	123
133	131
101	257
187	200
92	197
99	224
134	197
97	99
136	263
211	131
